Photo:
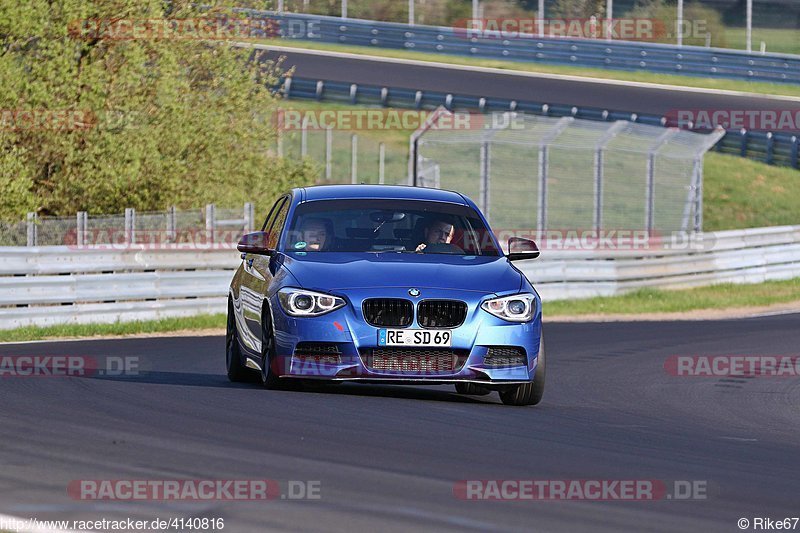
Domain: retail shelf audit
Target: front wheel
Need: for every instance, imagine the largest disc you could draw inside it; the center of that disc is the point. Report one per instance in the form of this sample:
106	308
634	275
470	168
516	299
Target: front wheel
237	372
529	393
269	357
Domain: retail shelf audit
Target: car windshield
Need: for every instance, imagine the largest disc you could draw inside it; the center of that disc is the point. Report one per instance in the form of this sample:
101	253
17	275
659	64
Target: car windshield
370	225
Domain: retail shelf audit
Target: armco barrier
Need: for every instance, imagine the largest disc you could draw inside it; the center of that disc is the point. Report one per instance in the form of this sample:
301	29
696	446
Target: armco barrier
58	284
781	149
594	53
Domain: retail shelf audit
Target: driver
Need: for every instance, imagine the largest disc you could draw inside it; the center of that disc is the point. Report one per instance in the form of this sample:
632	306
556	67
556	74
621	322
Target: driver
436	232
315	233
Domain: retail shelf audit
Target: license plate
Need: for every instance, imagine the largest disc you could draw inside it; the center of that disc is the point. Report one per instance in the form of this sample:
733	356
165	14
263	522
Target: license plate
414	337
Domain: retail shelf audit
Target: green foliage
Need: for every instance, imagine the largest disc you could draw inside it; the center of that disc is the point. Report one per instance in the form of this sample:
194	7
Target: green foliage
579	9
172	121
699	21
430	12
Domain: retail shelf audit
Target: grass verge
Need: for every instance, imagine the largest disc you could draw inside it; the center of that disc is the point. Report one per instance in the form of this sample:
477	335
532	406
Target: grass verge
619	75
31	333
722	296
741	193
778	40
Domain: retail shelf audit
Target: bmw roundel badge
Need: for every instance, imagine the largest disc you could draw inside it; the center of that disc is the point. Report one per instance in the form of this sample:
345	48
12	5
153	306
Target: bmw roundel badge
413	292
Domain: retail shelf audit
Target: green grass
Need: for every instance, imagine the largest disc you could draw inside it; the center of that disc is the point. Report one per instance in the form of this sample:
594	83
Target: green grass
721	296
29	333
741	193
782	41
647	77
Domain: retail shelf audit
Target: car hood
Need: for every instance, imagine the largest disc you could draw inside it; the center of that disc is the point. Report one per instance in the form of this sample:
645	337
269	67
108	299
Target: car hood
338	270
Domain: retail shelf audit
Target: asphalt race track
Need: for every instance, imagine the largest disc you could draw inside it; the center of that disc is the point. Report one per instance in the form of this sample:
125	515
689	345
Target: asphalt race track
617	97
387	457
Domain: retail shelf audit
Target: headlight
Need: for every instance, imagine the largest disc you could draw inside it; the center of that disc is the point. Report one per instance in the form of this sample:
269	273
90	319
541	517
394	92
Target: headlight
515	308
299	302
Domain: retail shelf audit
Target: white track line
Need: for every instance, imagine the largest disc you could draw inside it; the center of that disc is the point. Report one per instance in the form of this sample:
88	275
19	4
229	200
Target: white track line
524	74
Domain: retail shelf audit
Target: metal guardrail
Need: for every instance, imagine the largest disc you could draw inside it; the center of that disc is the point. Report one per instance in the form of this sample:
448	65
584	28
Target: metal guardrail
780	149
593	53
59	284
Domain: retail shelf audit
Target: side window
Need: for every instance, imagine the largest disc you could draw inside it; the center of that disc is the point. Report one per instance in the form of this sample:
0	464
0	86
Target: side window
272	212
277	225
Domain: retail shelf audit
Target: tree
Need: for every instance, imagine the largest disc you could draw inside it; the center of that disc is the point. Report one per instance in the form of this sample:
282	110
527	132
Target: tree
163	118
577	9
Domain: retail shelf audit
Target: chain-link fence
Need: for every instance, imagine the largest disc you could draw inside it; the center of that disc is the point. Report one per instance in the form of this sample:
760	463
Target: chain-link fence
197	227
342	157
544	173
348	157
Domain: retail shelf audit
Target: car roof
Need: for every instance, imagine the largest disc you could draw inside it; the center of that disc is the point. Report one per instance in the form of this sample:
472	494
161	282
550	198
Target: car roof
393	192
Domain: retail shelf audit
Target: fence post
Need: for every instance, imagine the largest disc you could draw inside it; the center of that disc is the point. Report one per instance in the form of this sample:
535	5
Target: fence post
304	138
130	225
354	159
541	218
211	222
770	148
248	217
328	153
544	149
598	187
698	191
599	168
743	146
650	190
81	221
485	178
381	163
172	224
795	151
31	221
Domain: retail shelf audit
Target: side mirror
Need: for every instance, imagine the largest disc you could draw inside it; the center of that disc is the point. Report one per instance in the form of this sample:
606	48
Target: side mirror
519	249
255	243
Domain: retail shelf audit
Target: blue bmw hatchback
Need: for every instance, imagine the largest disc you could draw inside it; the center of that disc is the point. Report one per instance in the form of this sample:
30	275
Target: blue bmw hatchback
385	284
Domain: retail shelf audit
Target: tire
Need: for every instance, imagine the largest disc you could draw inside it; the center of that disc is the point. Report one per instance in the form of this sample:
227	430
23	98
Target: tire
269	354
471	389
529	393
237	372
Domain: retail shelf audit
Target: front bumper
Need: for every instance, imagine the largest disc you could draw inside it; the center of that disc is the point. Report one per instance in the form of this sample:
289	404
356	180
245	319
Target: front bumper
347	329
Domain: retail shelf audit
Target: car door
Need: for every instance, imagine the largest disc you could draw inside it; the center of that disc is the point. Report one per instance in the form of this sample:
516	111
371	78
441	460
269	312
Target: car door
258	273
